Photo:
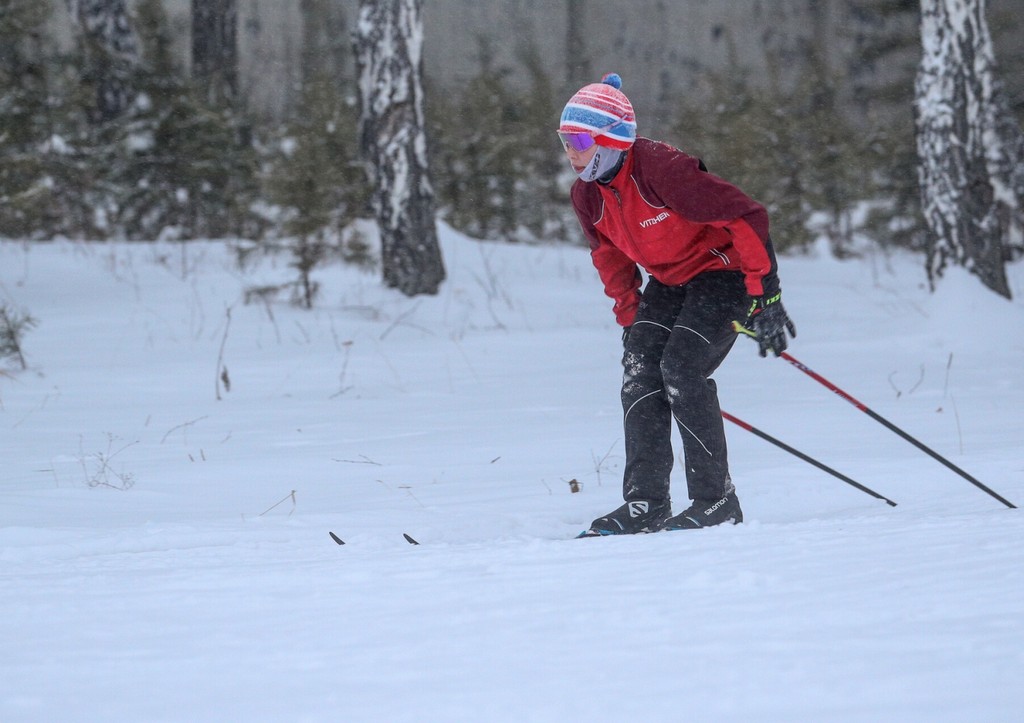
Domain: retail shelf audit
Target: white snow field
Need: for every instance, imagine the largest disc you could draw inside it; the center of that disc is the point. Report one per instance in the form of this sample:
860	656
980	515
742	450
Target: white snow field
164	555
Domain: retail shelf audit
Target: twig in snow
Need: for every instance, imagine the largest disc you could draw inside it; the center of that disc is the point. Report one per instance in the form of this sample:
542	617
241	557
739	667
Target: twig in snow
599	463
290	495
401	318
184	425
104	470
956	412
899	392
347	345
408	491
920	381
364	460
222	371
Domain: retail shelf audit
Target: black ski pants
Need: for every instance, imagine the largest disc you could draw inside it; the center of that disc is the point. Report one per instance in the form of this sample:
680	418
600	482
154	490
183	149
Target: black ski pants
680	336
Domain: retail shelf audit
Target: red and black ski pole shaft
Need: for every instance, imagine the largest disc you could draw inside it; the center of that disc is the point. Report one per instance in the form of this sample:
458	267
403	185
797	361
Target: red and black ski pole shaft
806	458
892	427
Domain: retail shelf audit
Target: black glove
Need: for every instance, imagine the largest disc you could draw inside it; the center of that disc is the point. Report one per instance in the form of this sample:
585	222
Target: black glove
625	334
767	322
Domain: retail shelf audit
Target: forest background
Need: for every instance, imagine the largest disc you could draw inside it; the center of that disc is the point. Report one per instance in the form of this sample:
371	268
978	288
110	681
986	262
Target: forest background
806	105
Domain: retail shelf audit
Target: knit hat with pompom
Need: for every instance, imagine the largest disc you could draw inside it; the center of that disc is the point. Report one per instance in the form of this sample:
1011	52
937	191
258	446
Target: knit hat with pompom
602	110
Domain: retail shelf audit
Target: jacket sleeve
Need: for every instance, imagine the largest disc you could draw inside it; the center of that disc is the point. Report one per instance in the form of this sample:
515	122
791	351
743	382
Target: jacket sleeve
619	274
757	258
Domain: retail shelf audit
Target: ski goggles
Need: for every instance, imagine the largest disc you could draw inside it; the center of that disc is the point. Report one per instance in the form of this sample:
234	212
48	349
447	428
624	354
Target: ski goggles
579	142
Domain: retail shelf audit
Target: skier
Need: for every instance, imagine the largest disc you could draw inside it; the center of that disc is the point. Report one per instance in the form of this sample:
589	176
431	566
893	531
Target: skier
705	248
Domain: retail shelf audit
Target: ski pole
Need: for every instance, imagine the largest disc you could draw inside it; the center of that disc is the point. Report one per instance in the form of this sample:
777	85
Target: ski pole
892	427
806	458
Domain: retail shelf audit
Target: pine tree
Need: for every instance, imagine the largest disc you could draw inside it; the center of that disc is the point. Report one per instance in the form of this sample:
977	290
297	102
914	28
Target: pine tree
13	325
313	176
476	158
832	154
886	39
215	51
748	134
46	186
110	51
542	190
577	54
971	149
24	122
499	172
389	42
177	168
787	142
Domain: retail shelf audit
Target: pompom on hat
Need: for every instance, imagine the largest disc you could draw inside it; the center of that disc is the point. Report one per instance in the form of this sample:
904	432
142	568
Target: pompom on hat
603	111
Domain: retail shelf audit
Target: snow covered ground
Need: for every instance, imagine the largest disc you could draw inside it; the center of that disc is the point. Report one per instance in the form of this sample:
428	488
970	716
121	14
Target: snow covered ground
164	555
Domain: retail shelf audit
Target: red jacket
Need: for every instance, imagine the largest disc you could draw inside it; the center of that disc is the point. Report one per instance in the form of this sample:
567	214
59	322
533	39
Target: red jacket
664	212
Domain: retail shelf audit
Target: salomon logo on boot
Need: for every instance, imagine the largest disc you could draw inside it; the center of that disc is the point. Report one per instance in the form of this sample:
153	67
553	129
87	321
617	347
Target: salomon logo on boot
639	509
633	517
711	510
708	513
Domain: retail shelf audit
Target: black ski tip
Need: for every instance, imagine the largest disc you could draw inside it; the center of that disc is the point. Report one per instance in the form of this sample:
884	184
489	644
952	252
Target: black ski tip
336	538
409	539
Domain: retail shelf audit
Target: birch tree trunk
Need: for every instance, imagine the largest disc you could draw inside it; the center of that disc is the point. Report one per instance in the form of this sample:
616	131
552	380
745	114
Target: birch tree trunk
110	51
970	148
389	43
215	50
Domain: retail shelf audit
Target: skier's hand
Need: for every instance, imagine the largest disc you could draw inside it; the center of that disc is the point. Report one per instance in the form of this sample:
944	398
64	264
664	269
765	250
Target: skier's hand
767	323
625	334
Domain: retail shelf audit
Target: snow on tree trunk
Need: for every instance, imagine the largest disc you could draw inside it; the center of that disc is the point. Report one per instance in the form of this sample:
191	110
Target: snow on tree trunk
215	50
969	147
389	43
111	53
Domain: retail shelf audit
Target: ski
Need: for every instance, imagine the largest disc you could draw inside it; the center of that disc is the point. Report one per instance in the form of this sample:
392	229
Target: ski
338	540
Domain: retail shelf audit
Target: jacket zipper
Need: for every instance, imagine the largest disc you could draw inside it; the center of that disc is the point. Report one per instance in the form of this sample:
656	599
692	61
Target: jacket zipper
629	234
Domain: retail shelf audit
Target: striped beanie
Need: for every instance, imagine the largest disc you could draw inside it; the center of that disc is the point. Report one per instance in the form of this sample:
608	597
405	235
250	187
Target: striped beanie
602	110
